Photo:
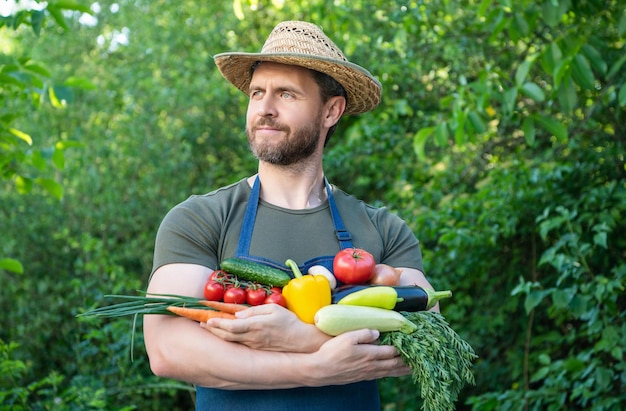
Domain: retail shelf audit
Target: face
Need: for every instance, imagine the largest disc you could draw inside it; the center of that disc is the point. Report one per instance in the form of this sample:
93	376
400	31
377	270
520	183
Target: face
284	119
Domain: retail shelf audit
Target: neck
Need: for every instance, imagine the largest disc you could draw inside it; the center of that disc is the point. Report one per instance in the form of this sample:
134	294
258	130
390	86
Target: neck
291	189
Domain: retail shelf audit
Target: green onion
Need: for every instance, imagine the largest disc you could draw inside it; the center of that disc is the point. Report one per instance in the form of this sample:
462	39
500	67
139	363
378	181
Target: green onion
134	305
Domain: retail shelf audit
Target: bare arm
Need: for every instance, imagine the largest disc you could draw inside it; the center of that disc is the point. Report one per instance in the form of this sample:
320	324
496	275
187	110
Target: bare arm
181	349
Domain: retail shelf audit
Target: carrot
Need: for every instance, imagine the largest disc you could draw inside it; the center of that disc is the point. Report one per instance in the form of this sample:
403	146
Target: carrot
224	307
199	314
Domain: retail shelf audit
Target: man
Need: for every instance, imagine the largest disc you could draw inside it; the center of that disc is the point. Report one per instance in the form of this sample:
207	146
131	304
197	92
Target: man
299	86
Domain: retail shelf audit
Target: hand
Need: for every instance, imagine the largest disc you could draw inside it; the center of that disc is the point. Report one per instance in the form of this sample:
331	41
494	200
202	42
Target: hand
356	356
268	327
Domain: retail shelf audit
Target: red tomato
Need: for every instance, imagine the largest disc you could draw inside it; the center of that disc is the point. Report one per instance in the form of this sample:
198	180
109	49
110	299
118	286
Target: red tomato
255	296
276	290
217	274
213	291
276	298
235	295
353	266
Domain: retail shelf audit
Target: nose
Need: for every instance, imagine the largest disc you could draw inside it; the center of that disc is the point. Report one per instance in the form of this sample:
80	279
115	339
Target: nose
266	107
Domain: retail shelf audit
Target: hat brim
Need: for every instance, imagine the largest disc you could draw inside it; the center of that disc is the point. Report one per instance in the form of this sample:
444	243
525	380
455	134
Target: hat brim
363	89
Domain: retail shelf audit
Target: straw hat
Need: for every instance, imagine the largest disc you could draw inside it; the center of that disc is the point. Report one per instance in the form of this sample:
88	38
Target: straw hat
304	44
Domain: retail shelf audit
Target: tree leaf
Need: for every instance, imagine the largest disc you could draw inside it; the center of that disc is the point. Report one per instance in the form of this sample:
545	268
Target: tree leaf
533	91
508	101
533	299
551	57
51	186
477	122
11	264
566	94
528	127
419	141
522	71
595	58
581	72
553	126
562	297
441	134
80	82
616	67
22	136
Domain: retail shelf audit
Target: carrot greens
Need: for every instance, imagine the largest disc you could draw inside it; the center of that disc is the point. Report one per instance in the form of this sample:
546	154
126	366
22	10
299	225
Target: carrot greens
440	360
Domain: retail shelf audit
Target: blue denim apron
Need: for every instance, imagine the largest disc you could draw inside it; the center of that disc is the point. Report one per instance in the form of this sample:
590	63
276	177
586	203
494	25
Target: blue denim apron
361	396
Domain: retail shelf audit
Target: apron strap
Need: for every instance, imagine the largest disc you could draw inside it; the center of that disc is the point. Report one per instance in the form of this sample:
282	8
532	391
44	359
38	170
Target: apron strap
245	235
343	235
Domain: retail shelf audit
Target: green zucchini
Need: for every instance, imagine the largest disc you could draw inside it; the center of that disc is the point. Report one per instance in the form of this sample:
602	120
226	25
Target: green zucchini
257	272
337	319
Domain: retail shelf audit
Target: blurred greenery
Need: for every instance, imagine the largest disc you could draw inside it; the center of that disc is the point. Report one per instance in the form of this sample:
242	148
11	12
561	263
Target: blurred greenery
500	140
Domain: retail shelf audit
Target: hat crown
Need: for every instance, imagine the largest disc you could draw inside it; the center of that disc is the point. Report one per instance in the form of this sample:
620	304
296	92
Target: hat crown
298	37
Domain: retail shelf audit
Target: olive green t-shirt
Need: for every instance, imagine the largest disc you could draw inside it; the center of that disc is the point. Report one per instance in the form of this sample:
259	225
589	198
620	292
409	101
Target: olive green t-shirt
204	230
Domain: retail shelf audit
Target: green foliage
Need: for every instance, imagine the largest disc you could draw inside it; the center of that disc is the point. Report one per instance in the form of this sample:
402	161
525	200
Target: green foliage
499	139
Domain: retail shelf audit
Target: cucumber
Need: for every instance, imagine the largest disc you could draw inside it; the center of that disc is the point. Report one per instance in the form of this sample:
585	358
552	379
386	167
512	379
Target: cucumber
257	272
337	319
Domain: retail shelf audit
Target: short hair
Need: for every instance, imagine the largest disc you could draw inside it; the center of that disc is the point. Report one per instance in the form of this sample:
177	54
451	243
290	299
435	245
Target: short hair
329	87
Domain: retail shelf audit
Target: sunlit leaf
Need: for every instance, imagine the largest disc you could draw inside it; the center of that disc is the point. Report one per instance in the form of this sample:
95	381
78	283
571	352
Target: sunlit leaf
419	140
22	136
23	185
80	82
53	98
11	264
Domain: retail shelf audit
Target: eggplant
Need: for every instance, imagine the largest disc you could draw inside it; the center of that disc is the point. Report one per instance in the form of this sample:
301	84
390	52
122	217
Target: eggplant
410	297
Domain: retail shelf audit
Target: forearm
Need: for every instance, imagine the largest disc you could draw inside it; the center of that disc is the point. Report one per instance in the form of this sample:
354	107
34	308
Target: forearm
180	349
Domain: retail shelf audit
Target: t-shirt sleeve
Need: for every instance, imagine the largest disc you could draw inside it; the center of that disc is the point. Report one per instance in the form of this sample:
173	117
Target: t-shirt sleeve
402	248
186	236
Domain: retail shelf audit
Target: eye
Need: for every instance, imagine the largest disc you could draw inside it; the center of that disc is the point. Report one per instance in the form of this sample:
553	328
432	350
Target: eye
287	95
256	93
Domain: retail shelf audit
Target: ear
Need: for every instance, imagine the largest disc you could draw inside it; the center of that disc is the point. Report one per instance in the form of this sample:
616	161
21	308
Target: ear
335	107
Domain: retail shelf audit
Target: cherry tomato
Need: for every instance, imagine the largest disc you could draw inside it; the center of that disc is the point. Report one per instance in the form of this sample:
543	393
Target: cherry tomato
276	298
218	275
353	266
235	295
255	295
213	291
275	290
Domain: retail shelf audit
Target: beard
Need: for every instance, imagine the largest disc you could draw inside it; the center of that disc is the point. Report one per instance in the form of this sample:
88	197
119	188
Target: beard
298	144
